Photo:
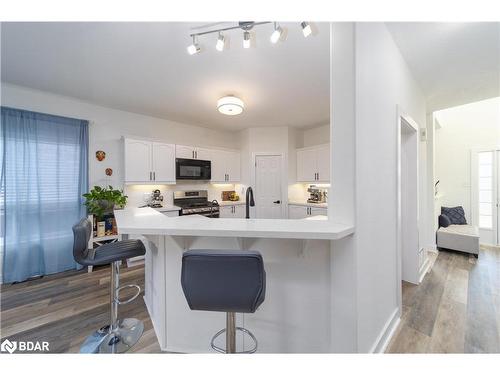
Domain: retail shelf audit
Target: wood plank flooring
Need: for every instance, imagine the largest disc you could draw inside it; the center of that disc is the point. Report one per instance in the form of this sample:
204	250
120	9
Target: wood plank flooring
65	308
455	309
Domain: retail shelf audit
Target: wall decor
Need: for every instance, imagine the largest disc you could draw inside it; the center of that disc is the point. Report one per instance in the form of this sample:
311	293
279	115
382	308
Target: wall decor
109	171
100	155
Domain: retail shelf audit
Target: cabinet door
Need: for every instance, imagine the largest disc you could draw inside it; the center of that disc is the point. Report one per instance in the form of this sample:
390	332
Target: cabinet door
184	152
219	158
297	212
203	154
240	211
319	211
323	157
138	165
163	162
233	166
306	165
226	212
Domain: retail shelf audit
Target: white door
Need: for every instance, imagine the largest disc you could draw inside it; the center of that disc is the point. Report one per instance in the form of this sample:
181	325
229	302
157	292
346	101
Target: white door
138	165
268	186
203	154
297	212
163	162
323	163
184	152
218	166
306	165
233	166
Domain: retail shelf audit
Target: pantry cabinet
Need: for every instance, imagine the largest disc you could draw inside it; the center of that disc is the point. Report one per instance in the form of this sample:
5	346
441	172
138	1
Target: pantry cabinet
313	164
149	162
225	166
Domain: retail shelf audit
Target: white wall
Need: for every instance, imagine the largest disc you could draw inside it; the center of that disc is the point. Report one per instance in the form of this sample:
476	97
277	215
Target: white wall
315	136
463	128
383	82
107	126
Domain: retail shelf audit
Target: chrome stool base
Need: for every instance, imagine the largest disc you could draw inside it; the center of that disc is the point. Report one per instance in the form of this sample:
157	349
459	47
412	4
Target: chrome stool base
126	335
230	332
92	342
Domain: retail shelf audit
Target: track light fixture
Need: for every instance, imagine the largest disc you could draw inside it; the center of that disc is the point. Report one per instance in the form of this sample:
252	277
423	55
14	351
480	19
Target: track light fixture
306	29
246	26
221	41
194	48
276	35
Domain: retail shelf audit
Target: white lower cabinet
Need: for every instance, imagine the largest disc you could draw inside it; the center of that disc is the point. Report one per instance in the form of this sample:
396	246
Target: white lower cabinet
302	212
236	211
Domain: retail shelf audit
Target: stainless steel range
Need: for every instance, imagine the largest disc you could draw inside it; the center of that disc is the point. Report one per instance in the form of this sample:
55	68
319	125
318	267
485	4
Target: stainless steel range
195	202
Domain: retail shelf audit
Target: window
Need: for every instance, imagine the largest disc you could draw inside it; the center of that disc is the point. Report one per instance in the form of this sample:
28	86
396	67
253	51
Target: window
485	173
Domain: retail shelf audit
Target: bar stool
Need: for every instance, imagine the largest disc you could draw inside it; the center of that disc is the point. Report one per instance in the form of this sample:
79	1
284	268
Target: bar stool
120	335
230	281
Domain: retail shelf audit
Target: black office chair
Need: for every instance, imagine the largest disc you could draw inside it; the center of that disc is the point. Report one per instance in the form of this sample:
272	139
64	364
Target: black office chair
230	281
120	335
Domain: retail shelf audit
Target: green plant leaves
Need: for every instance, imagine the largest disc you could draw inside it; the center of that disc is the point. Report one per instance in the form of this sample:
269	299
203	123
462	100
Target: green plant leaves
100	199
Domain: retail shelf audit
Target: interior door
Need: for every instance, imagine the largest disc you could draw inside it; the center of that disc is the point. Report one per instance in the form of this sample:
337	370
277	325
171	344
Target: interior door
268	186
138	166
163	162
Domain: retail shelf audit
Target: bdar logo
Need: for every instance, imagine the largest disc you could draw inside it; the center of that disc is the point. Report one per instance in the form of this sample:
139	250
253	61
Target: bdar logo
8	346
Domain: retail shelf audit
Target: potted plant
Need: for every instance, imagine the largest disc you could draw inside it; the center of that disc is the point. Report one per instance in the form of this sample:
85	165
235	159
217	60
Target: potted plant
101	201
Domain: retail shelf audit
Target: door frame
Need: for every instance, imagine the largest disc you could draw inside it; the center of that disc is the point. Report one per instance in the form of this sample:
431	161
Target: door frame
474	191
284	184
403	116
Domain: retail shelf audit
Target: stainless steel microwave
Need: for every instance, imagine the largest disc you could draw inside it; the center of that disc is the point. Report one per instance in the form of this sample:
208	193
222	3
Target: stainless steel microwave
192	169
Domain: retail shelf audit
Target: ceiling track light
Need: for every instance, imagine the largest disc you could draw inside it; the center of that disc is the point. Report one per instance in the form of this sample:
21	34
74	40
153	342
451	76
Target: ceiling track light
306	29
246	26
276	35
221	41
194	48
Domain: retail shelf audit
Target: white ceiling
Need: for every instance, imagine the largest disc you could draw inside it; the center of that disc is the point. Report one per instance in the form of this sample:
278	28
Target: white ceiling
144	68
454	63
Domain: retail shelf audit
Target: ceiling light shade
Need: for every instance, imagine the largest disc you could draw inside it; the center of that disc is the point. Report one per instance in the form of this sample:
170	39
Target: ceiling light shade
276	35
306	29
230	105
194	48
219	46
246	39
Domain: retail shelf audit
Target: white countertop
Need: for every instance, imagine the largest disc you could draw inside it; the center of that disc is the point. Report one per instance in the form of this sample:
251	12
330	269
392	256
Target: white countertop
165	208
149	221
302	203
231	203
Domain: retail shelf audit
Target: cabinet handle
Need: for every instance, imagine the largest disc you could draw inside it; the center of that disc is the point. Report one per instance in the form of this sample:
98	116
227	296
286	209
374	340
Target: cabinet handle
318	176
154	176
228	177
150	176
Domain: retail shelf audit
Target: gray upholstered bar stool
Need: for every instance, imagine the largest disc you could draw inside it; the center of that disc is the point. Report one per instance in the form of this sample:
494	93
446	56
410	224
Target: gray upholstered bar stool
119	335
230	281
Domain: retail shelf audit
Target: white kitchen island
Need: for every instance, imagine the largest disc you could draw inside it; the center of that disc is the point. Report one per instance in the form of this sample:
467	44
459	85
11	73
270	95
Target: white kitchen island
296	314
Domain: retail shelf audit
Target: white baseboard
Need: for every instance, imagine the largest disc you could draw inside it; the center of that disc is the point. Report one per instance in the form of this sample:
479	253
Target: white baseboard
387	332
424	269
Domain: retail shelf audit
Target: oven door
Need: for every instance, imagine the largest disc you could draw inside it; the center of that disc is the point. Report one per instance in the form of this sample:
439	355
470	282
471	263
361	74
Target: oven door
192	169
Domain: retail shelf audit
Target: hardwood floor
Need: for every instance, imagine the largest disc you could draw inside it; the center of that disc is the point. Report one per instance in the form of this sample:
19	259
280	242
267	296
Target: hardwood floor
456	309
65	308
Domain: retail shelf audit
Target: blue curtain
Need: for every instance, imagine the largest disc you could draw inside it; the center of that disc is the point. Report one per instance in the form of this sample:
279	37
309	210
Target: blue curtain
44	161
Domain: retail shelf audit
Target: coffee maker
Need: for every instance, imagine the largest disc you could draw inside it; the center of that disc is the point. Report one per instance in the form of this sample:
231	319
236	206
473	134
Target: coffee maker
316	195
156	199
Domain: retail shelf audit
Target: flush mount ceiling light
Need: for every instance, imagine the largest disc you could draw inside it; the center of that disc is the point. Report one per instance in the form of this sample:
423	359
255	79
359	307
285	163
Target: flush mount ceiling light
246	26
230	105
306	29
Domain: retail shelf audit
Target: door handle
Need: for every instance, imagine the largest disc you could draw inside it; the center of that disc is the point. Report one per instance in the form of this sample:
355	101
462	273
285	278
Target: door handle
277	202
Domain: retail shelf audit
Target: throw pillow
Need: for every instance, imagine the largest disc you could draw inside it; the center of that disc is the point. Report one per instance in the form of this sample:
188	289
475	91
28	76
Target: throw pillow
455	214
444	221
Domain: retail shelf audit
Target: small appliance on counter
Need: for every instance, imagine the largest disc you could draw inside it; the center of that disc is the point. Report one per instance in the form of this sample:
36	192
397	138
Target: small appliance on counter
155	200
316	195
230	196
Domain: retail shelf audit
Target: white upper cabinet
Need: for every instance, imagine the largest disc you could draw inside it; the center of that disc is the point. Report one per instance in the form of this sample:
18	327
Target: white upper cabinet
191	152
225	166
138	166
147	161
313	164
163	160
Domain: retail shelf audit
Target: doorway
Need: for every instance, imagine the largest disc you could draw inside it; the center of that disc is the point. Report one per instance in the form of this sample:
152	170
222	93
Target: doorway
268	189
407	197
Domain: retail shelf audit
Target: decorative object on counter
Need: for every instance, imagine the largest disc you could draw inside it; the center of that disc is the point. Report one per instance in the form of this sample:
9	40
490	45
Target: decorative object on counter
230	195
101	201
316	195
101	229
100	155
109	171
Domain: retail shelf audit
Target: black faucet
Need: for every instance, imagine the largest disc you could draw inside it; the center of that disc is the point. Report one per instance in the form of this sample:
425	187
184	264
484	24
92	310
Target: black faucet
249	201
